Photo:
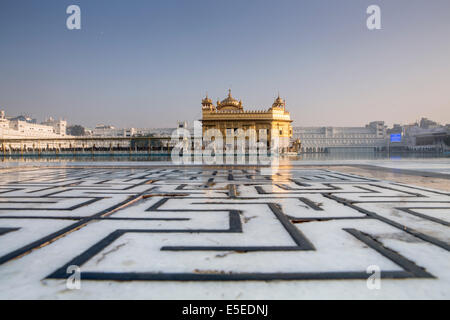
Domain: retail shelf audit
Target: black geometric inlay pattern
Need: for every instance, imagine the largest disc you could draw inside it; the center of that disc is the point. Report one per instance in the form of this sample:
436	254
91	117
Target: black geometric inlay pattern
410	269
289	201
6	230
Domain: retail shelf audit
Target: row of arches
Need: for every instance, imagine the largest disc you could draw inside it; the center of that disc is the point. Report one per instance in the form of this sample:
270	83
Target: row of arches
314	150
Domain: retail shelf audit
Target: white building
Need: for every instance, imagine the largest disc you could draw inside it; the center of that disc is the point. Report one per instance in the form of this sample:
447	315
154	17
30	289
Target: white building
4	123
107	131
19	129
372	137
416	138
59	126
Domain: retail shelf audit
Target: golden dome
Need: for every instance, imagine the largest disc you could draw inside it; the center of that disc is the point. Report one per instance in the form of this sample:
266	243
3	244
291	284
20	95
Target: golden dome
229	102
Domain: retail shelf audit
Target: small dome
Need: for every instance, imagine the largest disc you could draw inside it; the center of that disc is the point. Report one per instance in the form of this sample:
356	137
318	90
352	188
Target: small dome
279	102
206	101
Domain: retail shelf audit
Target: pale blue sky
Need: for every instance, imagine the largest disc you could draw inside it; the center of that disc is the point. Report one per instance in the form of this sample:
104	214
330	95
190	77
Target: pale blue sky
149	63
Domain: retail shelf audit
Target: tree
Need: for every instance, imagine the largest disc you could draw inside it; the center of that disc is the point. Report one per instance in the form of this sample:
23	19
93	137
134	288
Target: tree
76	130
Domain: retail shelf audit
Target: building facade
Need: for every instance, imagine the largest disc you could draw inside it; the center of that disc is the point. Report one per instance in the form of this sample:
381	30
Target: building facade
370	138
107	131
228	116
423	137
22	129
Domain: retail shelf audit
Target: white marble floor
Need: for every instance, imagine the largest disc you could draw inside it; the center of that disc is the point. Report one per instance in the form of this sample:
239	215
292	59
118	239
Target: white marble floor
162	232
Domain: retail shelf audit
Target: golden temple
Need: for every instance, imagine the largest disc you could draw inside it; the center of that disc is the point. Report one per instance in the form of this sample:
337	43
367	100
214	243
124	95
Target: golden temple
229	115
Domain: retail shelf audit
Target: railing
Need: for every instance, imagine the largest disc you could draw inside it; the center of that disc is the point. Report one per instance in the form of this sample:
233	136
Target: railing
72	146
89	146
